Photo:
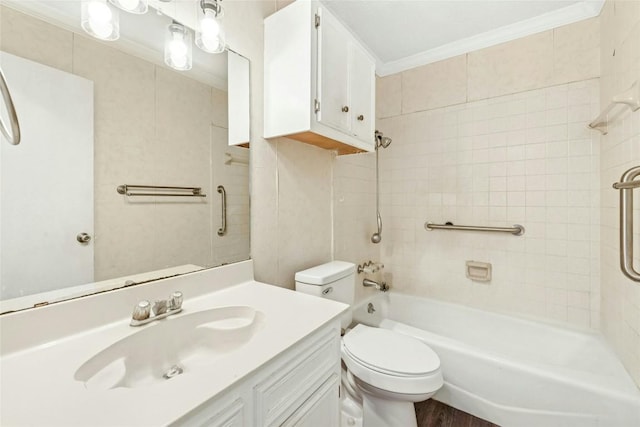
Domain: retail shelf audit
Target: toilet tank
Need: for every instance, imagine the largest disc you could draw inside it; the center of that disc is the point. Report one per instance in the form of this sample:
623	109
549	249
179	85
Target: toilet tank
334	280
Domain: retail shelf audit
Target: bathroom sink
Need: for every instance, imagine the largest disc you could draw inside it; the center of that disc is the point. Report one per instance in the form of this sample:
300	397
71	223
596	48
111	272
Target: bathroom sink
170	347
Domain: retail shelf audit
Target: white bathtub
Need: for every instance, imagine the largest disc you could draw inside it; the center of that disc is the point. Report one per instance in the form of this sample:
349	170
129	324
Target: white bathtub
514	372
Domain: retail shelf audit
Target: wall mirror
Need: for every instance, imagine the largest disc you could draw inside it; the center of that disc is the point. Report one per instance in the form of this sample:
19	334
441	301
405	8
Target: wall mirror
101	116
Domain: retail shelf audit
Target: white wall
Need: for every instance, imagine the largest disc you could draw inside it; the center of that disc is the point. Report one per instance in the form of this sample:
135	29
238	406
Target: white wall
620	150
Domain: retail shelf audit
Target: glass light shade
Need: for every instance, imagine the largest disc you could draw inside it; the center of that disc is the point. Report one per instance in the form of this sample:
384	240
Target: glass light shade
100	20
210	35
178	52
132	6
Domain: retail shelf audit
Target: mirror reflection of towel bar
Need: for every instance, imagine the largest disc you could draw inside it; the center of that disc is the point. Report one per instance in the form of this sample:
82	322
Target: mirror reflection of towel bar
133	190
223	194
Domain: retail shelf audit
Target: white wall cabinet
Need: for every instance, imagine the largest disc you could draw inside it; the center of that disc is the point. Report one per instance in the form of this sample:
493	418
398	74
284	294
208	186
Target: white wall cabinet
319	80
300	387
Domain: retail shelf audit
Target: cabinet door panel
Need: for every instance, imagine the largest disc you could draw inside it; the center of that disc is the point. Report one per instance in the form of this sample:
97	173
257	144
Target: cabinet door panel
321	409
333	73
280	394
362	84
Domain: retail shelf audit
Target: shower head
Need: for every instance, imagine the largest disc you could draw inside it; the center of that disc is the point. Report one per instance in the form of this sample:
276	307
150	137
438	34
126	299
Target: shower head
384	142
381	140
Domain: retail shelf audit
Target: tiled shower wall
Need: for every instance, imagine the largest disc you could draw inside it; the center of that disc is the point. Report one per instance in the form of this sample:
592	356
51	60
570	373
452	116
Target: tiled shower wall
620	150
354	201
494	137
517	159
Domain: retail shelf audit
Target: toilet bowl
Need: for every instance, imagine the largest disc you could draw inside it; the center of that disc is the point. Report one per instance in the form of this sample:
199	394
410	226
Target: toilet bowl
391	371
384	371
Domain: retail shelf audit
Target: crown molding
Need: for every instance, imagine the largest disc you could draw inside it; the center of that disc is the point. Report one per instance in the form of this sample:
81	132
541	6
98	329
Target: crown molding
567	15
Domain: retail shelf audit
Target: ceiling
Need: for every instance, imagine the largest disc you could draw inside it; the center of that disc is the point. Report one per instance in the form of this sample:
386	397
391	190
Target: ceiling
403	34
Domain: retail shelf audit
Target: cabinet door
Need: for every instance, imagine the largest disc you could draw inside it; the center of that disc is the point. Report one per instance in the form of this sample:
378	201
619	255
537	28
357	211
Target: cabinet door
333	74
321	409
219	413
362	90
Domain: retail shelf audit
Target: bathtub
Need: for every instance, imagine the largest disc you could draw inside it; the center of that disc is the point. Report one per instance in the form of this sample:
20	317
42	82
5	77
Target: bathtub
511	371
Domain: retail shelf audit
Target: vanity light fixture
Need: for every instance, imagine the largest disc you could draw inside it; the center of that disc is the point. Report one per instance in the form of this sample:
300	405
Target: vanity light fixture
178	47
210	35
132	6
100	20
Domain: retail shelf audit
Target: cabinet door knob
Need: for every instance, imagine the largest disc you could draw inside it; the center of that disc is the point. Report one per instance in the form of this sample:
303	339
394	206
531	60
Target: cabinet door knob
360	117
345	109
83	238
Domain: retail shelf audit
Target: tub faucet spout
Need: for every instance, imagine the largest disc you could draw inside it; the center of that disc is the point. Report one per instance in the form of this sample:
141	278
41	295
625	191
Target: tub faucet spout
382	286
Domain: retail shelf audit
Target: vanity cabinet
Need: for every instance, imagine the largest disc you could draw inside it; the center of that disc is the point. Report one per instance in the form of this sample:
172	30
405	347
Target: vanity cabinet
300	387
319	80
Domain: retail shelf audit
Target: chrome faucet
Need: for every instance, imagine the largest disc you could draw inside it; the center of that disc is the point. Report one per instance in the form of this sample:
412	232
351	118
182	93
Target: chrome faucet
382	286
162	308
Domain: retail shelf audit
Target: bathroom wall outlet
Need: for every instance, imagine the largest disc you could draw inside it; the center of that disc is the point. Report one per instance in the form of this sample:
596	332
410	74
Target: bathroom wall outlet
478	271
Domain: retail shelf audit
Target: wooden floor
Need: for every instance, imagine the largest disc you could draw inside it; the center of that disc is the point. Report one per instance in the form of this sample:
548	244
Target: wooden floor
432	413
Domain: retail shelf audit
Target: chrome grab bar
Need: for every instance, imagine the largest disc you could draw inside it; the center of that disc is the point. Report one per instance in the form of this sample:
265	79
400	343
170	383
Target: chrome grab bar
626	186
130	190
13	135
516	230
223	230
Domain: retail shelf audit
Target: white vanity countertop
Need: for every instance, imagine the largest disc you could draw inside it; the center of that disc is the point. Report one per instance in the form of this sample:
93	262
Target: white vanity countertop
38	385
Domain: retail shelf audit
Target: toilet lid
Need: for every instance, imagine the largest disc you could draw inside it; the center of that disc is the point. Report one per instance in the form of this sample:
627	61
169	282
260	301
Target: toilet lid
390	352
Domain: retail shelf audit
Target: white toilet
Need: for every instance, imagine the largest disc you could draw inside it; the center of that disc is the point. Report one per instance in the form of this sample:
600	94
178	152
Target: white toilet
386	371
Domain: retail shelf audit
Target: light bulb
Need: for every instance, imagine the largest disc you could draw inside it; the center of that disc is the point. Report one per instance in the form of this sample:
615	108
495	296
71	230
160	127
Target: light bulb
99	20
132	6
209	26
129	4
177	50
178	53
210	35
99	12
212	44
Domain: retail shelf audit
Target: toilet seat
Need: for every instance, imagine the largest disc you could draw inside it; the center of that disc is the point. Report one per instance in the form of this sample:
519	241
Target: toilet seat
391	361
390	352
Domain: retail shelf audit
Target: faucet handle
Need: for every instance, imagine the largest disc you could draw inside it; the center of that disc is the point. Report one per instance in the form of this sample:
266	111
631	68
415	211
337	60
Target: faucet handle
141	311
370	267
175	302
